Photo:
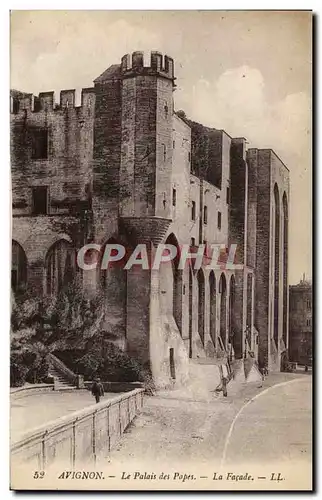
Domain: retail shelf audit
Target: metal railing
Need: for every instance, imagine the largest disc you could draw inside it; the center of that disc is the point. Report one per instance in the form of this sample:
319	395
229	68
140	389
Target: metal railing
79	437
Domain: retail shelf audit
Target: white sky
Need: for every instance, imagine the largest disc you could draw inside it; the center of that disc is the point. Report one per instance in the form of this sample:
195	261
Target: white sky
246	72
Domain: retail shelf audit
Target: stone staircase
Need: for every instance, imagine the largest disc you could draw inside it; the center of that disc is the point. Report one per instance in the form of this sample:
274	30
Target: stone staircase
64	378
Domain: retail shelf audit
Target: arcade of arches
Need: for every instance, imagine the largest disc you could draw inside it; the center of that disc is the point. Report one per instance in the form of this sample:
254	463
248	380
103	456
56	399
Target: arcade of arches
202	304
209	299
59	267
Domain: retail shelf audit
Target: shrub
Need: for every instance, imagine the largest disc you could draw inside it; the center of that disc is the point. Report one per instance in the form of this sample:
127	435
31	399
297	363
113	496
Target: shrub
27	366
69	326
102	358
18	372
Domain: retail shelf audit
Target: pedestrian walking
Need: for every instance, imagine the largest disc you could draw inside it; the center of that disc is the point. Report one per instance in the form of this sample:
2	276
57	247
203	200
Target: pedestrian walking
264	372
97	389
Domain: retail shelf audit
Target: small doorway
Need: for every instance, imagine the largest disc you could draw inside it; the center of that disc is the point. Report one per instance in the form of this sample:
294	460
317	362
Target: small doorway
172	365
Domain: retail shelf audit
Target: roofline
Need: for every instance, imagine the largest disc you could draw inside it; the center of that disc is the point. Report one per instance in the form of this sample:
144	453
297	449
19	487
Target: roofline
181	120
272	151
275	154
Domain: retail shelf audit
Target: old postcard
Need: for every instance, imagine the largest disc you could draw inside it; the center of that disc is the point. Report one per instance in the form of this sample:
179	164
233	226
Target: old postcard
161	283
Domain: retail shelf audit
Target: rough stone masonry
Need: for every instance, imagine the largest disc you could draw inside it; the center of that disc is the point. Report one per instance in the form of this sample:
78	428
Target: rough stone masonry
125	167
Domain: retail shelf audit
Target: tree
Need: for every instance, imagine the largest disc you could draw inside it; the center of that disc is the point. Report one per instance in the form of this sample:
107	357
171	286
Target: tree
70	326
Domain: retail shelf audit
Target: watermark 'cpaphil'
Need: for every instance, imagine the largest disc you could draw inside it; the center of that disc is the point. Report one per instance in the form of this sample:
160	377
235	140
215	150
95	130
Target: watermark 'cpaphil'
214	256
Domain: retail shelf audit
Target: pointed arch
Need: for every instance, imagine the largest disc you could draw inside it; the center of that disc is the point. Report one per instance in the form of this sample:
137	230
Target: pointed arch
212	306
232	295
18	266
177	280
60	266
223	299
201	304
276	263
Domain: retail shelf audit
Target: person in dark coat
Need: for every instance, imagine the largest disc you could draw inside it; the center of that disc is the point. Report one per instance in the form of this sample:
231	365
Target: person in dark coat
97	389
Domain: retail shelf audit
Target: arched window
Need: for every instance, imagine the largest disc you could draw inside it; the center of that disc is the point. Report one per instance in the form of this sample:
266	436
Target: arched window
60	266
18	267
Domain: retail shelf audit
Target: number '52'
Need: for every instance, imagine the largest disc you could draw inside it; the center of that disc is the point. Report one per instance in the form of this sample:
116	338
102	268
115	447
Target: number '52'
39	474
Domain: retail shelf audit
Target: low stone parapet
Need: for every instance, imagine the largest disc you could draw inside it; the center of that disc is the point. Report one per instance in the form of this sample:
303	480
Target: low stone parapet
79	437
29	390
116	386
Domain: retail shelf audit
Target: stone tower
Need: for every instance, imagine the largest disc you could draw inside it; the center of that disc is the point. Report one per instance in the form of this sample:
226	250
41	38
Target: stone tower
132	174
146	146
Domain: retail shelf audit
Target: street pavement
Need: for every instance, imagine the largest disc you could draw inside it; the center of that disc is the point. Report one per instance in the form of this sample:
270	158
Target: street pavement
259	432
275	426
254	423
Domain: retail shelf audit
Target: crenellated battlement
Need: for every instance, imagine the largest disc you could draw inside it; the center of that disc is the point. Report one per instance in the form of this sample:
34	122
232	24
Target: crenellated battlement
134	63
45	101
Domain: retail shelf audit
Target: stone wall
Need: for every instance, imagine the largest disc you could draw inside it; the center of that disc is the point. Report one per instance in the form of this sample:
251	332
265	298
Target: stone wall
66	169
271	174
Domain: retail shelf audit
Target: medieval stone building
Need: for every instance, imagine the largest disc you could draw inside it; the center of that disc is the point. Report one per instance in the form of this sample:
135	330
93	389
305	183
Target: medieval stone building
300	337
125	167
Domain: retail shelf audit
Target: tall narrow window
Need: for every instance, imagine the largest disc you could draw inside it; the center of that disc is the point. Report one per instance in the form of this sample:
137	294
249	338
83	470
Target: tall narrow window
174	197
39	144
164	152
172	364
219	220
308	304
205	214
174	144
193	210
40	200
227	196
189	157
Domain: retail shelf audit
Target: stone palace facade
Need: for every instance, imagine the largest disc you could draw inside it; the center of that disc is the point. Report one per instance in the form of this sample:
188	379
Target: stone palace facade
125	167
